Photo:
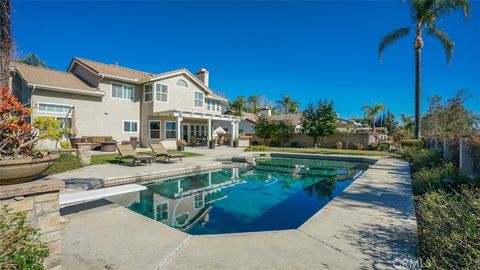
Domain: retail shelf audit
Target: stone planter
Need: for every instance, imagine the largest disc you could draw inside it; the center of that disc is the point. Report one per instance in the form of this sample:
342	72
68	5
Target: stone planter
17	171
211	144
74	142
180	147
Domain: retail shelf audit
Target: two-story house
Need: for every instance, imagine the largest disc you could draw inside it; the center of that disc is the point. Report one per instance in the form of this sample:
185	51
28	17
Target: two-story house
111	100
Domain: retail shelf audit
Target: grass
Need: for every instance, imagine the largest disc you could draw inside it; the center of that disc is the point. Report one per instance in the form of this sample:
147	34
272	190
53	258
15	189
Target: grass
111	158
328	151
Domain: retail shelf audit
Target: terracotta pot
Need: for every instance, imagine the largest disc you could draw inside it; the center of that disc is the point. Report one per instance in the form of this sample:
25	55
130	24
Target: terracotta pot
15	171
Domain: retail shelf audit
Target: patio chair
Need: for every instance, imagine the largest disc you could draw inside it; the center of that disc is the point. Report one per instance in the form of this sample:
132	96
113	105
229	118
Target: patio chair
158	150
127	151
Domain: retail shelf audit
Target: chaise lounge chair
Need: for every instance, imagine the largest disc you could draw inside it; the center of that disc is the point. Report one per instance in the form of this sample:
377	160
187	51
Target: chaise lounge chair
127	151
158	150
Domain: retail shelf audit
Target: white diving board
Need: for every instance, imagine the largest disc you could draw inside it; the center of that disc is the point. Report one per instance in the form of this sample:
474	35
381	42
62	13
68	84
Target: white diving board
91	195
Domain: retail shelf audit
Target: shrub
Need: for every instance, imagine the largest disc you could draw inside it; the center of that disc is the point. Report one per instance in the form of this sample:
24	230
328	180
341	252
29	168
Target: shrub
65	144
254	143
274	143
66	162
430	179
358	146
373	146
449	229
256	148
338	145
421	158
412	143
20	245
294	144
383	146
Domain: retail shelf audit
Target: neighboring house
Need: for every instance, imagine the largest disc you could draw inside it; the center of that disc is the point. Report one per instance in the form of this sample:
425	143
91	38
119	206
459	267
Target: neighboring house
110	100
347	130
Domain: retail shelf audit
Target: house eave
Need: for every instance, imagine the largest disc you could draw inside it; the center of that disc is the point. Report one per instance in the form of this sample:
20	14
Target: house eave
67	90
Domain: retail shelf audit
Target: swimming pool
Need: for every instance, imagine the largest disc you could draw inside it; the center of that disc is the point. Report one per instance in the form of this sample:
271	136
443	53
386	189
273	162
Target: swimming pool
276	194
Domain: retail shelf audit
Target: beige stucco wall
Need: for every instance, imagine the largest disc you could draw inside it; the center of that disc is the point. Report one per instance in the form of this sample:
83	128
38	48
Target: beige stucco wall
95	116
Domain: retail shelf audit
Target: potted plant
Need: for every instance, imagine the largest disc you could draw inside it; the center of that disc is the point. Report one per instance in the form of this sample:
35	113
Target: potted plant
211	144
235	142
19	162
181	145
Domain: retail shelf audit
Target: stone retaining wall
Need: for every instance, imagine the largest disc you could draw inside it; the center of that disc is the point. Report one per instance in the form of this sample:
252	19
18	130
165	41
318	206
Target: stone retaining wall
39	199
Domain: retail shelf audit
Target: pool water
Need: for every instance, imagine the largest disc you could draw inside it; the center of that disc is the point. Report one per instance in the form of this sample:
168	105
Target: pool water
277	194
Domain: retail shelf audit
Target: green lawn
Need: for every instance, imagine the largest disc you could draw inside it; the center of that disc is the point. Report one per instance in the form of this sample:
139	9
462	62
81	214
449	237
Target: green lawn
110	158
328	151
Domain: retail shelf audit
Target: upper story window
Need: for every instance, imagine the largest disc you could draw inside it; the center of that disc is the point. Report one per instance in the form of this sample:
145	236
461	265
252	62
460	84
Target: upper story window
199	96
122	91
161	92
213	105
182	83
53	108
147	93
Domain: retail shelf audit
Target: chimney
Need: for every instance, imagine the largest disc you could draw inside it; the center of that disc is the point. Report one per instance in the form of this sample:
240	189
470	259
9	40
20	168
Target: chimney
266	112
202	75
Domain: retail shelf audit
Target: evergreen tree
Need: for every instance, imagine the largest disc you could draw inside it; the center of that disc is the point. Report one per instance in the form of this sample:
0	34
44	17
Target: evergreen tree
319	120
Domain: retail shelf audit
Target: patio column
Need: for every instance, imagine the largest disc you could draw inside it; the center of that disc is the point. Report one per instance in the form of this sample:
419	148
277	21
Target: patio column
209	129
179	130
237	130
233	133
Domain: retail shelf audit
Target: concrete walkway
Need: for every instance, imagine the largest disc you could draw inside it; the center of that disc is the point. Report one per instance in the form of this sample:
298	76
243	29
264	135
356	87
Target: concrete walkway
371	225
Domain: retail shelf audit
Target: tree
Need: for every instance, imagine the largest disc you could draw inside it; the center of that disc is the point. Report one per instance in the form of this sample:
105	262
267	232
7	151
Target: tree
319	120
372	111
33	60
237	106
5	42
282	131
264	128
449	119
286	105
408	124
390	123
425	15
253	104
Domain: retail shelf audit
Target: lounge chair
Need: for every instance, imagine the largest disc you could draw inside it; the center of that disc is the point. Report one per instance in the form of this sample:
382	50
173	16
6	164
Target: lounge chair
158	150
127	151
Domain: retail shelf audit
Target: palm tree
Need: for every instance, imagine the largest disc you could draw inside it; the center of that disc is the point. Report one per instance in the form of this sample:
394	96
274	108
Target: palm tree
286	105
253	104
371	112
237	106
5	41
425	14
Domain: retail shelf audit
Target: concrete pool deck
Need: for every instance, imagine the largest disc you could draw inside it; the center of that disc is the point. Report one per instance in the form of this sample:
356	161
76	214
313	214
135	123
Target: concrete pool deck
371	225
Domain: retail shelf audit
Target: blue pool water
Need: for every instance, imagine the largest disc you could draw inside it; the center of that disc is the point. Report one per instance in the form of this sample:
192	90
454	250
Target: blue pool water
277	194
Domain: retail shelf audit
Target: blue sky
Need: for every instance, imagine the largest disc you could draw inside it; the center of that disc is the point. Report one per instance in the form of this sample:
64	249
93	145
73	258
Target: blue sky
309	50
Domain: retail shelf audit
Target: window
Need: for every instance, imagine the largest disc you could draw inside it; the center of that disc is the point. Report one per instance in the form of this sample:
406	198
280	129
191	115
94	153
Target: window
122	91
170	130
53	108
154	126
213	105
202	128
182	83
198	201
130	126
199	99
162	211
209	105
161	92
147	93
240	130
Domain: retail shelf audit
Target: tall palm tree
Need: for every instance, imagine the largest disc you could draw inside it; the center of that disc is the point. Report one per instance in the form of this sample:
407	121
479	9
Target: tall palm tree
5	41
237	106
372	111
253	104
287	105
425	14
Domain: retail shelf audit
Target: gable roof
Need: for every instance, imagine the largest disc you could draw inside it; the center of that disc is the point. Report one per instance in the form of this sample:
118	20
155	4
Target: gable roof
110	69
51	79
133	75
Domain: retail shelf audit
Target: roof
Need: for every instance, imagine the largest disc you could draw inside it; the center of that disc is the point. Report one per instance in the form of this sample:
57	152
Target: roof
217	96
112	70
40	76
295	118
